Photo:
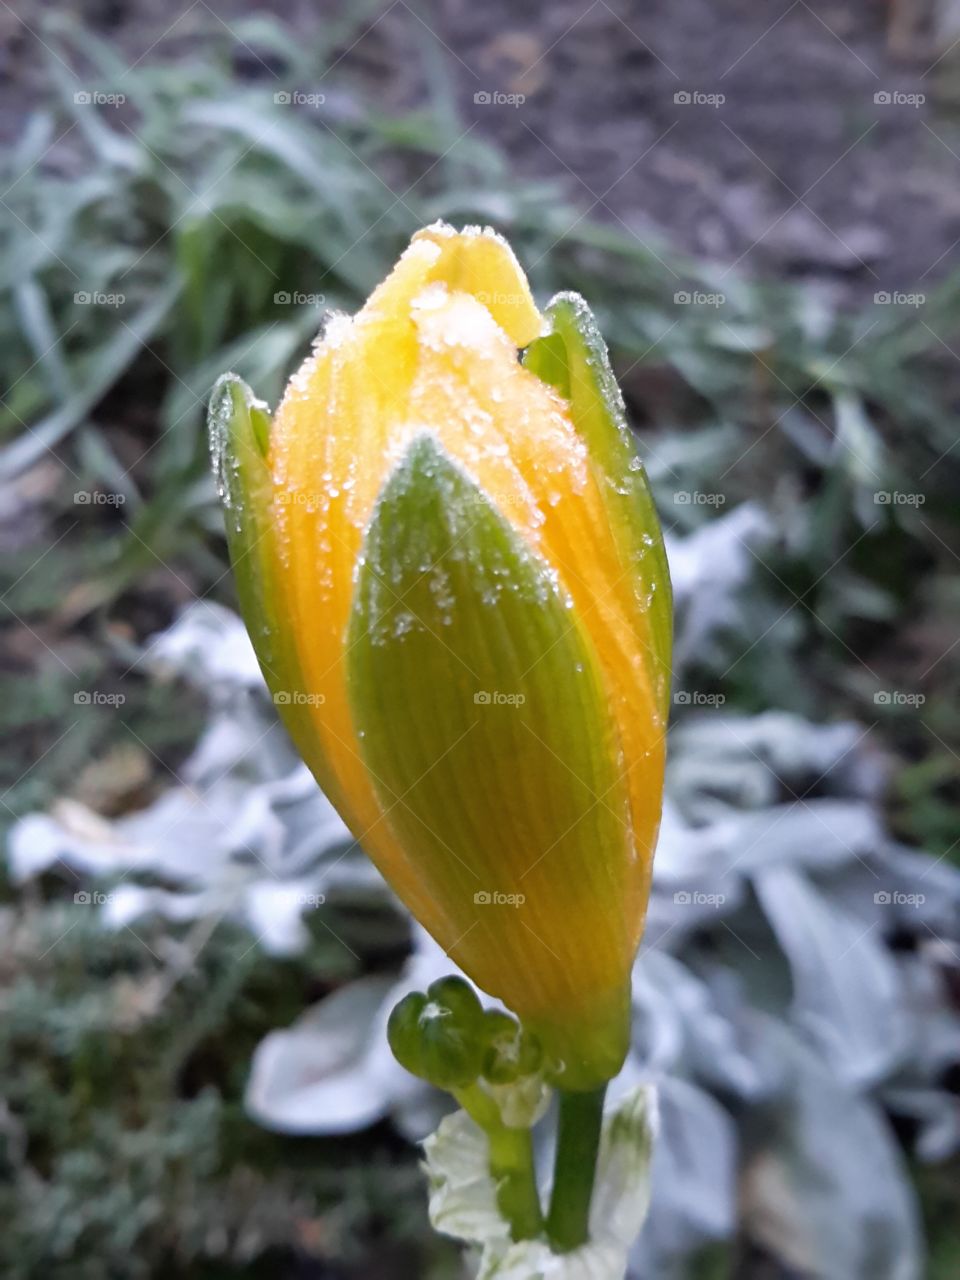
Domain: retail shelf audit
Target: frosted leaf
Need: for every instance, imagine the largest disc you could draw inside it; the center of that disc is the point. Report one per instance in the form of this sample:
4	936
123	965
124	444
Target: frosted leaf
221	422
218	424
463	1198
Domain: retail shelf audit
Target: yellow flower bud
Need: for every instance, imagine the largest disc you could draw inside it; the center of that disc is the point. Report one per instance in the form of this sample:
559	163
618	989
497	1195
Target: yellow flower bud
450	566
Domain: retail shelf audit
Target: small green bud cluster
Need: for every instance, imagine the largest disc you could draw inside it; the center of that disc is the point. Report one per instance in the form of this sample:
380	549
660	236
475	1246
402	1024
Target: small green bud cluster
436	1035
445	1036
511	1052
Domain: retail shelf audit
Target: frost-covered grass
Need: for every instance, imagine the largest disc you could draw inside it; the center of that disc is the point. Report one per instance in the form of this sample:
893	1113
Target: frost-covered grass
800	593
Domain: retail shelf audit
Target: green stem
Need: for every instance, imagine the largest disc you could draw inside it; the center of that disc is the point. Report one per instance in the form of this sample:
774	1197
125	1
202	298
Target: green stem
578	1141
511	1164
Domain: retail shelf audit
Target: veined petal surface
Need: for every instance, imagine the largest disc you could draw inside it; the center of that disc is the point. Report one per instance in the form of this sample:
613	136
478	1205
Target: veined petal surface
484	724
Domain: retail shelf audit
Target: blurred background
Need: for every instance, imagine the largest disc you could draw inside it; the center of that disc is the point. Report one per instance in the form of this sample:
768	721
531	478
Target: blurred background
761	203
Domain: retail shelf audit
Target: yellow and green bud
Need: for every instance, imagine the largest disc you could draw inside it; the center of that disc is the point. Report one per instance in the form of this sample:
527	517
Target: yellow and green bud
453	575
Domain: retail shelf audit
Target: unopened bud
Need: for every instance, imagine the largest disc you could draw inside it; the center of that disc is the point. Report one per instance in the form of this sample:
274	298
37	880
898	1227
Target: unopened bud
511	1052
437	1035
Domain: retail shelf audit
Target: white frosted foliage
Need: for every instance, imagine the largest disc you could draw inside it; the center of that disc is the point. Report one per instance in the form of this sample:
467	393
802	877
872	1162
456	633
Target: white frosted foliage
463	1197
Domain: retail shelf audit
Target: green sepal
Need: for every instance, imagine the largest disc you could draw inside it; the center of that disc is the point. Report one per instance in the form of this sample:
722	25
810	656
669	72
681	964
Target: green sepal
239	428
572	357
482	717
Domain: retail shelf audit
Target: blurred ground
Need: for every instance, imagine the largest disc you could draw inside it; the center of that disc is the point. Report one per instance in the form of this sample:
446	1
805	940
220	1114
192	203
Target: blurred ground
795	172
808	400
816	142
